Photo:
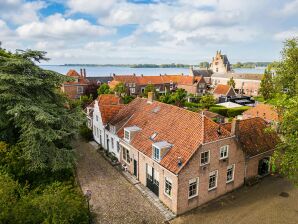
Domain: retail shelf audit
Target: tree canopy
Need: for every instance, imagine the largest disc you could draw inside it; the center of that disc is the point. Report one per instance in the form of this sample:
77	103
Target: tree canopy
231	82
34	115
267	86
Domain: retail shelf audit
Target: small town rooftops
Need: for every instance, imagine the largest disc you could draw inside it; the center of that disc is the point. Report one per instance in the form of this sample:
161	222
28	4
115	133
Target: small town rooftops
221	89
183	129
264	111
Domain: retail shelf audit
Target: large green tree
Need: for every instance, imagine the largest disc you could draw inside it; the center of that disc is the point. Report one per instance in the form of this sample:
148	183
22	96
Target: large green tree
267	86
34	115
286	101
103	89
231	82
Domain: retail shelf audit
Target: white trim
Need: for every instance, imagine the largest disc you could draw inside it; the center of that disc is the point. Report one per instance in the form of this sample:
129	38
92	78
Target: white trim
164	191
220	149
201	158
211	174
218	140
197	187
233	166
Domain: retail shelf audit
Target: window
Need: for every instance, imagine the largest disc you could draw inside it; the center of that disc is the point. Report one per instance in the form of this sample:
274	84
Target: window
100	137
156	153
204	158
168	187
126	155
80	89
230	173
193	188
132	90
201	85
112	142
156	178
118	147
149	173
212	180
224	152
96	117
126	135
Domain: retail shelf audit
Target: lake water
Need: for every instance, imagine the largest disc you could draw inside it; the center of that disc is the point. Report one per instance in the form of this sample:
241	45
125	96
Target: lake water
109	70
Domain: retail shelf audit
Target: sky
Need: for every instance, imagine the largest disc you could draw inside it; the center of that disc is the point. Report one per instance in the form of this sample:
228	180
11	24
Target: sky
148	31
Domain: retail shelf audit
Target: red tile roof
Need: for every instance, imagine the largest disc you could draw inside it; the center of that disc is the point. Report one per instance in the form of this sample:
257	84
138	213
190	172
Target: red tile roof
264	111
109	105
221	89
145	80
254	137
190	80
72	73
184	129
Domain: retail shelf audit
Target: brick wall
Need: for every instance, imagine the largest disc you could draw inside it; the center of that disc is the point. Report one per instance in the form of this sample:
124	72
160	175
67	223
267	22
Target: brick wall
193	170
253	164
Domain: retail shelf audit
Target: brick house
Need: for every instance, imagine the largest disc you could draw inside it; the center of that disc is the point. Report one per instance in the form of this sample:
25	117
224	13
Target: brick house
184	157
193	84
75	89
223	91
220	63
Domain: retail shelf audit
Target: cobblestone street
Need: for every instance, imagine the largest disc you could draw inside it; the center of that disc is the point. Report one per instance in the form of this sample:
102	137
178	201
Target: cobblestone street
114	199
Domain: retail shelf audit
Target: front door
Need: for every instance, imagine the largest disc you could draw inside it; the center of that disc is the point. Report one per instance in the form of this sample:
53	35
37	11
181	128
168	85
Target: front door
135	168
152	179
264	166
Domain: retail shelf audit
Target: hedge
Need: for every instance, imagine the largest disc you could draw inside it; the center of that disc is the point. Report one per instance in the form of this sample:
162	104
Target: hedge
228	112
190	104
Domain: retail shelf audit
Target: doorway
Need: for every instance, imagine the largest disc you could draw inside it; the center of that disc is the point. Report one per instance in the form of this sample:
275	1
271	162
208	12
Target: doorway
264	166
135	168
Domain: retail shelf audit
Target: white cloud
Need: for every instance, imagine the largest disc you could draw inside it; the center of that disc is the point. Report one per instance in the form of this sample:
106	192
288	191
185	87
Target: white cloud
290	8
20	11
287	34
57	27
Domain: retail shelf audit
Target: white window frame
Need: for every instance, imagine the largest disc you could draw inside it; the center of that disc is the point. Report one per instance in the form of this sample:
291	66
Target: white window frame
222	149
190	182
165	187
96	117
127	132
80	89
132	90
233	174
112	142
153	153
203	164
125	155
216	177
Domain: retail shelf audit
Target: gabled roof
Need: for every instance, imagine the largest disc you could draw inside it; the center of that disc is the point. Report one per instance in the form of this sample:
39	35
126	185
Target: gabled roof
109	105
100	79
73	73
183	129
253	136
264	111
190	80
145	80
221	89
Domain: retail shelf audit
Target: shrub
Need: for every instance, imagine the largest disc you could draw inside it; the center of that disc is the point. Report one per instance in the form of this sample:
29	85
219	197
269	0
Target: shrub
219	110
233	112
86	133
191	105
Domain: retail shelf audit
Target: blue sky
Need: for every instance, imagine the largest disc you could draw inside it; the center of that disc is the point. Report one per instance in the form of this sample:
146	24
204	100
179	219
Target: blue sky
149	31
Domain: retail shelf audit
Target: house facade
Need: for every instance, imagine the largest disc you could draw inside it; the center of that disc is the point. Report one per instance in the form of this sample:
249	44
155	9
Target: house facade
105	107
183	157
193	84
220	63
221	90
76	88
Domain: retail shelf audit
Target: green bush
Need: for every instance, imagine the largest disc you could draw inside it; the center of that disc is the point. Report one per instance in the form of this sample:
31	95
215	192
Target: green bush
219	110
191	105
86	133
233	112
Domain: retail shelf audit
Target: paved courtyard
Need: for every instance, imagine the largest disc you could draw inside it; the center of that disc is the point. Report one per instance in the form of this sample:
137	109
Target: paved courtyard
259	204
114	199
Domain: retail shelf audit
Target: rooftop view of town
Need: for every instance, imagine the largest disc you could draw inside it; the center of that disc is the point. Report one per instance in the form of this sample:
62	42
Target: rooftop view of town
151	111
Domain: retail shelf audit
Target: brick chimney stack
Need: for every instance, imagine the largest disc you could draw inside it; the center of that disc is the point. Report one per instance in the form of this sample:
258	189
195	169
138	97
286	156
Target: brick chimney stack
84	73
81	72
235	126
150	97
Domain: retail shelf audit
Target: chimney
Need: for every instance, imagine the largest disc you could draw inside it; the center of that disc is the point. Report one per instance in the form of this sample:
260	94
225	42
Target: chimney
114	74
134	74
81	72
150	97
142	75
84	70
235	126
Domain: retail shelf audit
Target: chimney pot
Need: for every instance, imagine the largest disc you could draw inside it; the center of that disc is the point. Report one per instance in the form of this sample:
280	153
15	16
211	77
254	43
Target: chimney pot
81	72
84	73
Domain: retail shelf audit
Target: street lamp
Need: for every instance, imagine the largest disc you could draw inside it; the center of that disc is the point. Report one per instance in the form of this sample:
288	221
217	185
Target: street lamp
88	198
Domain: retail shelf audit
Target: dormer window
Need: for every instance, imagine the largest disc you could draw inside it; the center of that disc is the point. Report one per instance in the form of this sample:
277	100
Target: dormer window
160	149
127	135
129	132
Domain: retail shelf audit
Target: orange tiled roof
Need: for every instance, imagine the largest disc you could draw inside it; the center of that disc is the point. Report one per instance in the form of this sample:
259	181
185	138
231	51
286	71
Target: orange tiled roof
254	138
145	80
221	89
184	129
190	80
125	78
264	111
109	105
72	73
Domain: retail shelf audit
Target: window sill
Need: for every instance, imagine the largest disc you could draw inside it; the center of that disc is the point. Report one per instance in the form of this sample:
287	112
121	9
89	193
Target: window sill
212	189
192	197
224	158
205	164
230	181
170	197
